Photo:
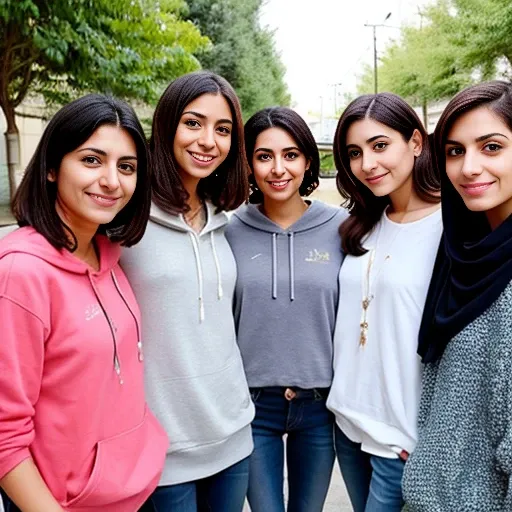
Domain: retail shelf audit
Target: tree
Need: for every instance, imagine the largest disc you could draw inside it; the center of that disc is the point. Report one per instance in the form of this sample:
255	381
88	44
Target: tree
242	51
423	66
61	48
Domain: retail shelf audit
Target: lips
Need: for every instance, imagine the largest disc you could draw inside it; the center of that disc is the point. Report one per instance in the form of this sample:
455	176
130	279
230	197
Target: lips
476	189
278	184
376	179
202	158
102	200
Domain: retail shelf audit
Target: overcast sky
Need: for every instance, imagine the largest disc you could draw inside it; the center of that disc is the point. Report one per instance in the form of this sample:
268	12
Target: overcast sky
325	42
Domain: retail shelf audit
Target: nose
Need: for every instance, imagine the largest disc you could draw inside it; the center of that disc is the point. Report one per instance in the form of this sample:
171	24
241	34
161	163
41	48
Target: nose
207	139
110	177
369	162
278	168
471	165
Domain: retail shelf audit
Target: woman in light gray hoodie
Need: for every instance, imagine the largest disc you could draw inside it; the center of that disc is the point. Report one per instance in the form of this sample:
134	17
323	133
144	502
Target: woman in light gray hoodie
183	274
288	255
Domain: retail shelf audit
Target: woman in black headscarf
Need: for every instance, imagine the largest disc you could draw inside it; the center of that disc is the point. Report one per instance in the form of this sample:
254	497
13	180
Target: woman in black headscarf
463	459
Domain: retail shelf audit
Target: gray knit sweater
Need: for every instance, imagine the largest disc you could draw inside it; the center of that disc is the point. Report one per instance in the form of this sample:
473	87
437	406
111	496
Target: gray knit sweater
463	459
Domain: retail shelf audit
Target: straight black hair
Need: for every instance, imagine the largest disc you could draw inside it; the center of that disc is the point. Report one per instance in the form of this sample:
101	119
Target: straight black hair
69	128
365	208
228	187
288	120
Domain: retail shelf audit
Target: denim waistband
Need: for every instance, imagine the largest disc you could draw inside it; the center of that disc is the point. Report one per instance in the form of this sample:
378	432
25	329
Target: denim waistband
315	393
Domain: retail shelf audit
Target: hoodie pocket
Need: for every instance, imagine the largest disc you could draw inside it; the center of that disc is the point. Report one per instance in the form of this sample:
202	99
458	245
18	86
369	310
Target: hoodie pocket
126	469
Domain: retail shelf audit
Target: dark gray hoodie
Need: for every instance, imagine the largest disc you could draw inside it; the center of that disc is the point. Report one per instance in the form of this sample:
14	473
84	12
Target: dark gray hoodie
286	295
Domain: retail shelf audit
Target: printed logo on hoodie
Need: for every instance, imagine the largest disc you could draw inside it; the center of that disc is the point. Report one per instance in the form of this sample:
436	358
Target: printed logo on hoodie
316	256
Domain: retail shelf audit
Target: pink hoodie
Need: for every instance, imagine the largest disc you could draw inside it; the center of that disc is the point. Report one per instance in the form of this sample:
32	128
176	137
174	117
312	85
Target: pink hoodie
71	378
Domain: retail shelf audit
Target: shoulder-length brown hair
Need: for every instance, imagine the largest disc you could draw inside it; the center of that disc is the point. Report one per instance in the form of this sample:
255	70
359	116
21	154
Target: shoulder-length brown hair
228	187
69	128
365	208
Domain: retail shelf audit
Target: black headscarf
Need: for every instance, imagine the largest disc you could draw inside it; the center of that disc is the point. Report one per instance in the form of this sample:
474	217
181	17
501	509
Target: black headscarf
473	267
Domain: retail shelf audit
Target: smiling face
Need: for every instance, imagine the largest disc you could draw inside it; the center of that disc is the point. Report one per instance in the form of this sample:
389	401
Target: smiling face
203	137
96	180
479	163
379	156
278	165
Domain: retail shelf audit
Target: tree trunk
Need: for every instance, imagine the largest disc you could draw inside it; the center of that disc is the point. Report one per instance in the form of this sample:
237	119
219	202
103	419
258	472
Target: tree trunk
12	143
424	109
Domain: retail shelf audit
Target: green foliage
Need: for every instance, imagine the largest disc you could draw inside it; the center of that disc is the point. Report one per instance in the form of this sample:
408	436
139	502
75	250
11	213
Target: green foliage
61	48
327	167
460	41
241	51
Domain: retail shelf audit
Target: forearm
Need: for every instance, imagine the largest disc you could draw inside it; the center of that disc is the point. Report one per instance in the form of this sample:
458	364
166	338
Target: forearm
26	488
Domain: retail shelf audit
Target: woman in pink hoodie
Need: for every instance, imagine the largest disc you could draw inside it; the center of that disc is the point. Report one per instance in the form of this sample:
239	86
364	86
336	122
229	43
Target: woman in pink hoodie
75	431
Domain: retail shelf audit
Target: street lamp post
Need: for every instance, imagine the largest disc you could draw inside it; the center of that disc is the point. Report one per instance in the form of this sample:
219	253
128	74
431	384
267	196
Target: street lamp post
374	26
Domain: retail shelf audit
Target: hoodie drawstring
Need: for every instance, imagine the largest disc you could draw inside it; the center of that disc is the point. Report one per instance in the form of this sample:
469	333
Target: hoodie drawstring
292	267
274	265
139	337
117	363
199	270
290	262
217	267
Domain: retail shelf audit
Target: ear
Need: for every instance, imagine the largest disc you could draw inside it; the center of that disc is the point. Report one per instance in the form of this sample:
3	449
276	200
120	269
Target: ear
51	176
308	165
417	142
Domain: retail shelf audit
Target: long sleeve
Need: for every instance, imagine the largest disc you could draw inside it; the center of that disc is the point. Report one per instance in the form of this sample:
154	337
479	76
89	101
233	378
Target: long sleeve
21	366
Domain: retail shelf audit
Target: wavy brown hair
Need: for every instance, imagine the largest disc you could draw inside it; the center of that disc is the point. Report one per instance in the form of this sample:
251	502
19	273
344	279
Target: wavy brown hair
365	208
228	187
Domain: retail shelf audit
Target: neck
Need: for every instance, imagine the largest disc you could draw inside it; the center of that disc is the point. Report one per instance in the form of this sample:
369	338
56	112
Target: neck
190	185
84	234
405	199
284	214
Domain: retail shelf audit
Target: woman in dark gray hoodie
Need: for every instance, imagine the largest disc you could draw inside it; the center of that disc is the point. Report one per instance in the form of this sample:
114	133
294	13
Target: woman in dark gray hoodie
288	255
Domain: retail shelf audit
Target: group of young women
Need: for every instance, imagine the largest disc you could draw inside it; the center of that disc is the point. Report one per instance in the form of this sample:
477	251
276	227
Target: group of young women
158	354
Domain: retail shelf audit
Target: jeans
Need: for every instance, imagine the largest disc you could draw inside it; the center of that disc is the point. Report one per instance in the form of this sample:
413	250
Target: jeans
374	484
222	492
309	450
9	506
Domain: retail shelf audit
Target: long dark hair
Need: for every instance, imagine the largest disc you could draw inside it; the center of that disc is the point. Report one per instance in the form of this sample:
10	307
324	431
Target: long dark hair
228	187
69	128
288	120
365	208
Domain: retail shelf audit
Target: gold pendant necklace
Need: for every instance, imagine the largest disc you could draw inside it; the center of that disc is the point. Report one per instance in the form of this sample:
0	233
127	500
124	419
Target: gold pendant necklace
368	296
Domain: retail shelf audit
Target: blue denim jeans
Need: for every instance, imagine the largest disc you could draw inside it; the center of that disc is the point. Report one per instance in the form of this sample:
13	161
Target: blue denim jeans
374	484
309	450
222	492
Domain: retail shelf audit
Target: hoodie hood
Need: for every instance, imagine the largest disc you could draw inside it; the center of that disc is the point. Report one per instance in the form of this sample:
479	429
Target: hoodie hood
315	216
27	240
214	221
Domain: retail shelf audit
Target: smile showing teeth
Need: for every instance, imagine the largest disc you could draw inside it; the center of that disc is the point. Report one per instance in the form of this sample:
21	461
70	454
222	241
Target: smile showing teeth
279	184
202	158
102	200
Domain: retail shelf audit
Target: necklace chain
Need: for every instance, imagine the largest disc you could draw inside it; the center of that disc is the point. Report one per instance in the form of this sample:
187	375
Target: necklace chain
367	284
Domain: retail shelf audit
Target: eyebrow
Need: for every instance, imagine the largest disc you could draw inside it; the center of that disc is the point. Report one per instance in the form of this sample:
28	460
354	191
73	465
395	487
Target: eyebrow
478	139
103	153
202	116
371	139
271	151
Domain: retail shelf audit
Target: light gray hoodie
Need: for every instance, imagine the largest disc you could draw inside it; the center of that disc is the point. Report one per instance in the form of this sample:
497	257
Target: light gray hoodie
195	383
287	295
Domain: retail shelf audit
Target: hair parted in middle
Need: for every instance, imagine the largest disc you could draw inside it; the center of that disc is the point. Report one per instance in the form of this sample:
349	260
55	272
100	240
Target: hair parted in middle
227	187
365	208
69	128
288	120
